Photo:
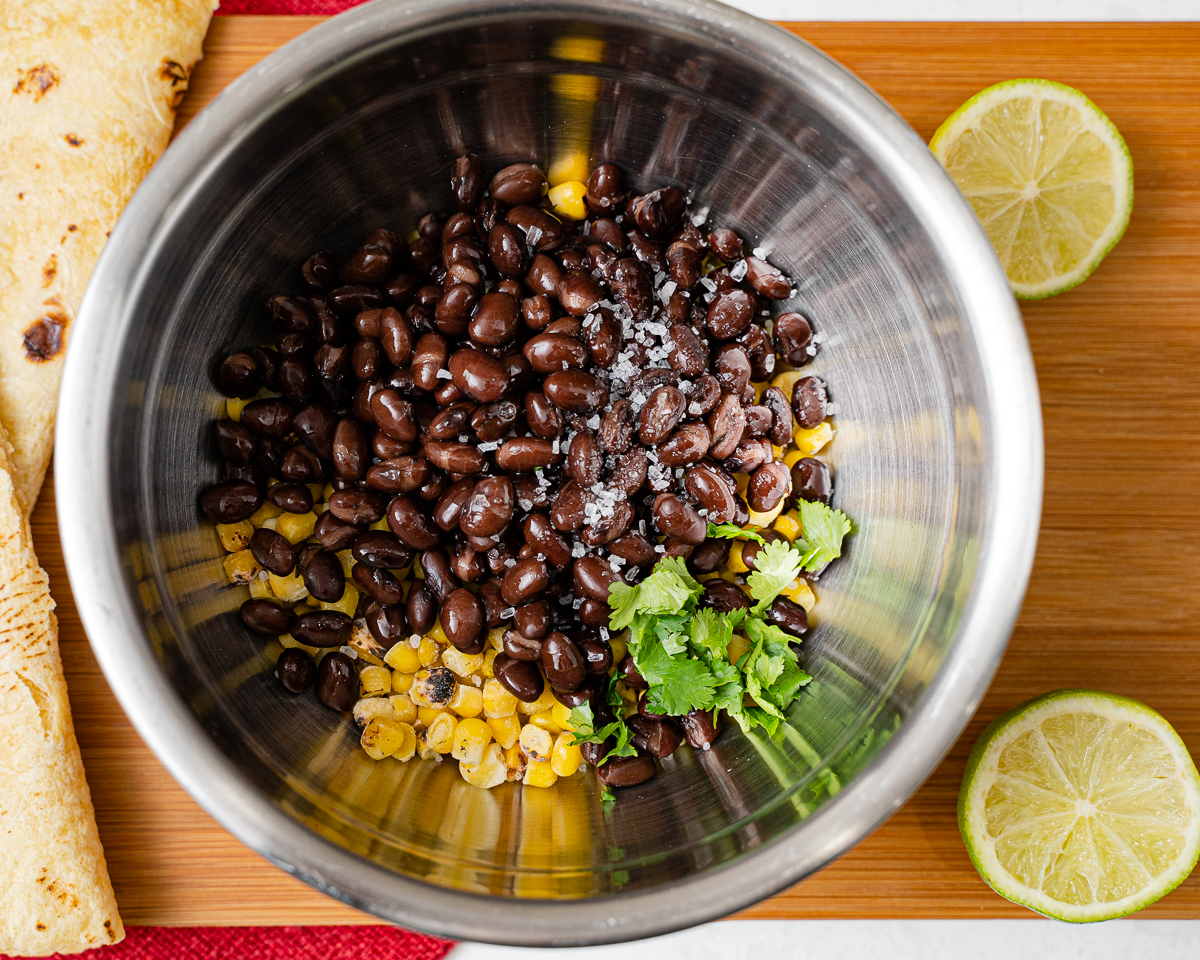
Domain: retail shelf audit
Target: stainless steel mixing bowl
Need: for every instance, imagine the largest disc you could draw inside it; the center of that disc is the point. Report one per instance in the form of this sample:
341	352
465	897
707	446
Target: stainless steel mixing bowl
938	456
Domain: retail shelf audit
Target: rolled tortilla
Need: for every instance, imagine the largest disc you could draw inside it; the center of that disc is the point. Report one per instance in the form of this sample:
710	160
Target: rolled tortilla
88	91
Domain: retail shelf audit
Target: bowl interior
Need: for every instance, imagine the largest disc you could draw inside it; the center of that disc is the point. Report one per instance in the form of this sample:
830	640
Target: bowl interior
368	141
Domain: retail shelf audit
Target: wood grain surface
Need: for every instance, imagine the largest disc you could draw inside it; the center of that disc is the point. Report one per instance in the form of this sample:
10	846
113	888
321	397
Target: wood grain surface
1114	599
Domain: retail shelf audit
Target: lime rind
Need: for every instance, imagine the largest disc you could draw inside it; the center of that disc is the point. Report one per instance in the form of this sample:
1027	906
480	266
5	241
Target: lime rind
980	775
967	116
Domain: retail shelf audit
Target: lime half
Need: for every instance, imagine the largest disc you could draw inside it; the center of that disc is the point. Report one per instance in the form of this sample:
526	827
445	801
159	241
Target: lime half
1047	173
1081	805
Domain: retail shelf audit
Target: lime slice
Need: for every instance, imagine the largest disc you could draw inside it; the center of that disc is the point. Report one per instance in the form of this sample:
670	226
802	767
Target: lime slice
1047	173
1081	805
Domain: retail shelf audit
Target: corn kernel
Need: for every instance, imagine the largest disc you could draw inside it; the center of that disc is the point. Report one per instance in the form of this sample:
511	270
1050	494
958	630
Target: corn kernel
369	708
625	693
734	562
234	406
786	382
743	482
497	700
296	526
402	657
489	772
241	567
289	589
619	647
380	524
402	682
440	733
788	524
467	701
435	689
260	589
565	756
768	518
737	648
561	715
427	652
403	709
567	199
799	591
437	634
535	741
235	536
426	715
506	730
487	668
546	721
374	681
347	561
347	604
470	738
461	664
810	442
495	638
540	705
424	750
539	773
406	749
287	641
381	738
514	762
791	458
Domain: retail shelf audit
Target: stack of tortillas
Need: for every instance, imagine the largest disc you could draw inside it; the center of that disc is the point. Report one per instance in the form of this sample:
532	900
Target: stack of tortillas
88	91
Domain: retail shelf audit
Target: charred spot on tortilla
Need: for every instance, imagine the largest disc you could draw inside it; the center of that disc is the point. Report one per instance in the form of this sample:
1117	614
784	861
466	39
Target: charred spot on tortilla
36	81
44	337
74	140
175	74
50	270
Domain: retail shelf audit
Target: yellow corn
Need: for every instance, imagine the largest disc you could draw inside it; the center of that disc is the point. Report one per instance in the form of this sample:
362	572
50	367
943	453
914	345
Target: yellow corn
561	715
402	657
426	715
437	634
546	721
287	641
235	536
470	738
380	524
403	709
440	733
347	561
260	589
369	708
296	526
625	693
490	771
811	441
791	458
786	382
424	749
435	689
348	602
539	773
737	647
382	737
540	705
535	741
427	652
565	756
495	638
233	408
798	591
768	518
268	511
241	567
461	664
467	701
567	199
497	700
506	730
409	746
789	524
374	681
619	647
514	762
734	562
402	682
486	669
289	589
326	492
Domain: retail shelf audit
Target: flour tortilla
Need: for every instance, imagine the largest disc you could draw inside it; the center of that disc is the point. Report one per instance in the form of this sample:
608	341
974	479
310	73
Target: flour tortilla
88	91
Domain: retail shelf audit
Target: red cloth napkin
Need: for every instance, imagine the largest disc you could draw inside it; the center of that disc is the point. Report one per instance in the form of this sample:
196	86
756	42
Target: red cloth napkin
267	943
310	8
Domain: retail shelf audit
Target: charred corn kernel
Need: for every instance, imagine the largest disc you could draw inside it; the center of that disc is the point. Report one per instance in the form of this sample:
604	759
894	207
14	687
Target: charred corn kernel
402	657
561	714
435	689
409	745
798	591
363	642
235	536
546	721
792	457
565	756
233	408
540	705
369	708
461	664
535	741
786	382
768	518
374	681
424	750
514	762
619	647
260	589
403	709
470	738
567	199
487	668
811	441
497	700
489	772
426	715
539	773
268	511
402	682
347	561
348	604
495	639
437	634
737	648
734	562
241	567
440	733
296	526
427	652
467	701
381	738
506	730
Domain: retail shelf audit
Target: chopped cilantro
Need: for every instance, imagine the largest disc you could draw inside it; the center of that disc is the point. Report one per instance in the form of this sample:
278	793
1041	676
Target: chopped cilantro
777	565
666	591
711	632
824	530
731	531
607	797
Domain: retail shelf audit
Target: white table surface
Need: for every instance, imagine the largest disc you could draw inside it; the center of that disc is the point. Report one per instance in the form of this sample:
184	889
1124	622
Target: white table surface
1033	939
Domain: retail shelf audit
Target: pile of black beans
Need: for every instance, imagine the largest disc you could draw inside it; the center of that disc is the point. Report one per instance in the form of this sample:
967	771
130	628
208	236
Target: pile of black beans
539	407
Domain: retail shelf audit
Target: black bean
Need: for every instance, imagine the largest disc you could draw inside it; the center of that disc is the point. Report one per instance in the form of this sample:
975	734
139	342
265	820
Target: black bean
325	628
521	647
273	551
520	677
295	670
231	501
794	339
658	737
377	584
788	616
626	771
467	182
240	376
267	617
333	534
809	401
324	577
421	608
337	681
811	481
563	662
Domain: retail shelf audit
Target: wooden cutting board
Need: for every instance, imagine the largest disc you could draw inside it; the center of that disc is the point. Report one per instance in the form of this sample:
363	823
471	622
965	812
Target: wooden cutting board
1115	598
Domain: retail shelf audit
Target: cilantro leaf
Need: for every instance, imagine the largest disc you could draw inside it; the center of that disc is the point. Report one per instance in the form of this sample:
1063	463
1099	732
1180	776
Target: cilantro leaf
756	629
777	566
583	721
711	632
672	633
731	531
607	797
824	530
669	589
677	684
623	748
